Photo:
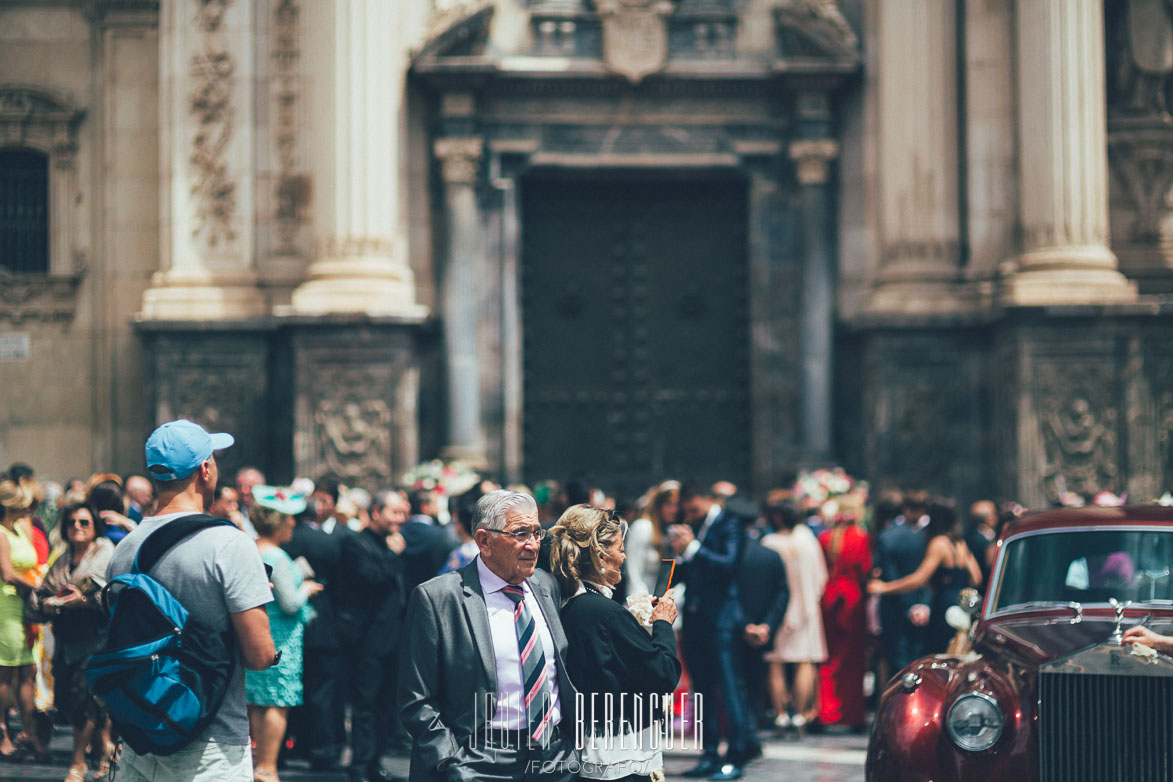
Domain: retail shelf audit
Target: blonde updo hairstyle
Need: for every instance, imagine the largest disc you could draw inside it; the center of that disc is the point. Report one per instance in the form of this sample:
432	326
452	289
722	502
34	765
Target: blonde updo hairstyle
15	499
266	521
577	543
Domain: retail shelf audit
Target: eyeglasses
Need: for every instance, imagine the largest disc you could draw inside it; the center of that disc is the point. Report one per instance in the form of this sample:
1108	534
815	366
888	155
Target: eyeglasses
522	535
613	515
81	522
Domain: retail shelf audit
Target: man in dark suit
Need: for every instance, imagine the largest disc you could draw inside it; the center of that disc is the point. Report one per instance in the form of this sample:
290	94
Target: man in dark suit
318	722
428	543
710	546
370	620
900	547
765	594
483	689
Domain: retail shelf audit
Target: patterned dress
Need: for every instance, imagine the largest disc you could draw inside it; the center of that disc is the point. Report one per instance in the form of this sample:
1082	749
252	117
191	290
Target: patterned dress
288	615
14	648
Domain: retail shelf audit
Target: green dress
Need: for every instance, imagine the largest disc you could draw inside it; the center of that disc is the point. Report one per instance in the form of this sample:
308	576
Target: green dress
289	612
14	651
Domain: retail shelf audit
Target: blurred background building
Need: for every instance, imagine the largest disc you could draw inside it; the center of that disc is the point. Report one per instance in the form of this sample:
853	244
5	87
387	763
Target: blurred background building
926	239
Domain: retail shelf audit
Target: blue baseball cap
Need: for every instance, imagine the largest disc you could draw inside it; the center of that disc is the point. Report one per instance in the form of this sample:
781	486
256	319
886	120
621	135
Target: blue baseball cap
177	448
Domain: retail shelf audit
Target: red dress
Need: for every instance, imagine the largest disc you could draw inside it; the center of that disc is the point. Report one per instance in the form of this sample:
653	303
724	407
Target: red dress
849	561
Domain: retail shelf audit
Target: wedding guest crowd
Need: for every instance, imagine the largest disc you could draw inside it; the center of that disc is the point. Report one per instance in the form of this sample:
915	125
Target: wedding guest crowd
785	613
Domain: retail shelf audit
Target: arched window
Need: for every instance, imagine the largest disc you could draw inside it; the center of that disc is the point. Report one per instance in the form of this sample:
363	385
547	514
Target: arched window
24	211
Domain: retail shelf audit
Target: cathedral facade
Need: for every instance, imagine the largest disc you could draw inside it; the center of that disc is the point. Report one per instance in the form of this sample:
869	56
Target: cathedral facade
628	239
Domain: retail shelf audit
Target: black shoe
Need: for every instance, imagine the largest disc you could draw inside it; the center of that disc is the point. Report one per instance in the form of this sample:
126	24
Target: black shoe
727	771
703	769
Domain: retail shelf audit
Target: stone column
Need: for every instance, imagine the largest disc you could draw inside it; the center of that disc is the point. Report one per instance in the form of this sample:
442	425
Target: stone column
991	176
1063	165
206	71
918	152
813	162
462	279
357	61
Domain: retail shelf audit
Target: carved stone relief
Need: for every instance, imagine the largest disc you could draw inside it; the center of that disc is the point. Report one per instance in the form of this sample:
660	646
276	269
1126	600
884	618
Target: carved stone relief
913	397
1077	418
47	298
212	69
1158	371
356	408
354	433
1140	130
635	36
293	190
222	386
814	28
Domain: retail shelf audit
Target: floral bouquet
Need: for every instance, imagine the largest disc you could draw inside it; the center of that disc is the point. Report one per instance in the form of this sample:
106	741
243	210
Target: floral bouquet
814	487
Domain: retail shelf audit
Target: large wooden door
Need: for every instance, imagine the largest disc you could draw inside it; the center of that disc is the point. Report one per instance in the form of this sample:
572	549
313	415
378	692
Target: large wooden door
635	330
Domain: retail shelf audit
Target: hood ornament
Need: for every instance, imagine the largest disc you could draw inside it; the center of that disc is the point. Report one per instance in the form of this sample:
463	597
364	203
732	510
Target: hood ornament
1117	638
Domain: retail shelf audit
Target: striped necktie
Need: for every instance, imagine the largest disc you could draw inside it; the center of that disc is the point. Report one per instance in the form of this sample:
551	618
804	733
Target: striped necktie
536	687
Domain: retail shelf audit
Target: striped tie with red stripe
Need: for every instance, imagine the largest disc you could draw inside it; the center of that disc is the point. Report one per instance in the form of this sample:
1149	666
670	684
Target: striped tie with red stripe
539	704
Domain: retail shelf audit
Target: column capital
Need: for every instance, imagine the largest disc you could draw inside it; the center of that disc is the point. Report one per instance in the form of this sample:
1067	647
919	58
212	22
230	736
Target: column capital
814	157
460	158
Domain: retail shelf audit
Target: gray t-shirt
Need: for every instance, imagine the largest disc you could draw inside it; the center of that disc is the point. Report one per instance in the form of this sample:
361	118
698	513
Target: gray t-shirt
213	573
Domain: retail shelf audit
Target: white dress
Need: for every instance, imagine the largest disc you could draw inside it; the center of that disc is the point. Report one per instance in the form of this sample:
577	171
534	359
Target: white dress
643	559
800	638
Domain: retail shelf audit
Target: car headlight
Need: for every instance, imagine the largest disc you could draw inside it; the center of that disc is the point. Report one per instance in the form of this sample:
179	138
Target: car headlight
975	721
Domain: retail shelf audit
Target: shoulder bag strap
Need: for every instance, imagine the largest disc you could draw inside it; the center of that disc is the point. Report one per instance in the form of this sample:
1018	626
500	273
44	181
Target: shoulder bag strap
162	539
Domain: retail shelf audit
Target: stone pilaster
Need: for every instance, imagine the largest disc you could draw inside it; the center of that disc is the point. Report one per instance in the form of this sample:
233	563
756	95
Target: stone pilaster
357	59
462	280
918	152
1063	162
207	160
813	159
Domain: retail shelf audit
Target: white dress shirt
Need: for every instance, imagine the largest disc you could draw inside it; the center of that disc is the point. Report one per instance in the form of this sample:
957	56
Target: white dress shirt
510	713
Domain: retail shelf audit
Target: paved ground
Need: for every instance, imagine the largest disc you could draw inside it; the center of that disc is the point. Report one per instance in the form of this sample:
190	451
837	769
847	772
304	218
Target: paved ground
828	758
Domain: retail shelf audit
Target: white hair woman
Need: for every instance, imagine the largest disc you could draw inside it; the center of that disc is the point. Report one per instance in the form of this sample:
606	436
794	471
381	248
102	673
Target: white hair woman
609	652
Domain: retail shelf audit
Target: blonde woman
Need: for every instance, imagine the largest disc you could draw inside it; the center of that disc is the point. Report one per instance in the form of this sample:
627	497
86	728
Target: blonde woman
18	567
645	539
609	652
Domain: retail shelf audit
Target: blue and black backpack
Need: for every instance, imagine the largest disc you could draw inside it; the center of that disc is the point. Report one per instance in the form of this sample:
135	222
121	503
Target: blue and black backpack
162	674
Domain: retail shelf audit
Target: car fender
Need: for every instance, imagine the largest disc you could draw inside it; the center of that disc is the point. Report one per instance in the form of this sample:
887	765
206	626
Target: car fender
910	743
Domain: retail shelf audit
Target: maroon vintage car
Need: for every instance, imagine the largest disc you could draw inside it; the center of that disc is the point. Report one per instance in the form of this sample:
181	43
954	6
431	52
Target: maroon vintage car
1048	693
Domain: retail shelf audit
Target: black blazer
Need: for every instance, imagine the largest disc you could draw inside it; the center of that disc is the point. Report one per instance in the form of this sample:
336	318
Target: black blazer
322	552
609	652
369	608
710	575
900	548
448	673
762	586
428	546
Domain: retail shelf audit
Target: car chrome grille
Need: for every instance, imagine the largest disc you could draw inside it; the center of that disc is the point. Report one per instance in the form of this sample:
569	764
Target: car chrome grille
1105	728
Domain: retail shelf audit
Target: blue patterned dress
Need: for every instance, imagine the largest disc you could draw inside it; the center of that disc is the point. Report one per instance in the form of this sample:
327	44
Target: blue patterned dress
288	614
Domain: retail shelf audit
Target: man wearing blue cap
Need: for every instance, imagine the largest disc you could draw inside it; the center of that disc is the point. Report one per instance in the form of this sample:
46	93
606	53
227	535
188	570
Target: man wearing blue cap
217	575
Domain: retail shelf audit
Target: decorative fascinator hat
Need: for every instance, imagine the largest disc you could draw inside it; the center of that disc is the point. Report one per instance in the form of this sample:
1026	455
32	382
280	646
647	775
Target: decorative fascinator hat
280	499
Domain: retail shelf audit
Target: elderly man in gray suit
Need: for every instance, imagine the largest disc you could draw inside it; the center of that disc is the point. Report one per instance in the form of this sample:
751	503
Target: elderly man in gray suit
482	680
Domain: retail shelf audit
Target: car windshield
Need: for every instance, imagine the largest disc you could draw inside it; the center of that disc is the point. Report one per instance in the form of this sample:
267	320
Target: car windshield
1086	567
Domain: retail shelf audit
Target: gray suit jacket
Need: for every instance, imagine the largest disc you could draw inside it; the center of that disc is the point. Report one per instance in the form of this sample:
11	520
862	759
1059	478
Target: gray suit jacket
448	673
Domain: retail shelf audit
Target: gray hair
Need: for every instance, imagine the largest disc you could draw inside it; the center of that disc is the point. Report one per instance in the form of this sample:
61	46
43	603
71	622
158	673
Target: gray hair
492	509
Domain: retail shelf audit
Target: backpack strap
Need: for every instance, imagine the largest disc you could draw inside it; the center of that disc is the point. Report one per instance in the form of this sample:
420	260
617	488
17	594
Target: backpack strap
162	539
